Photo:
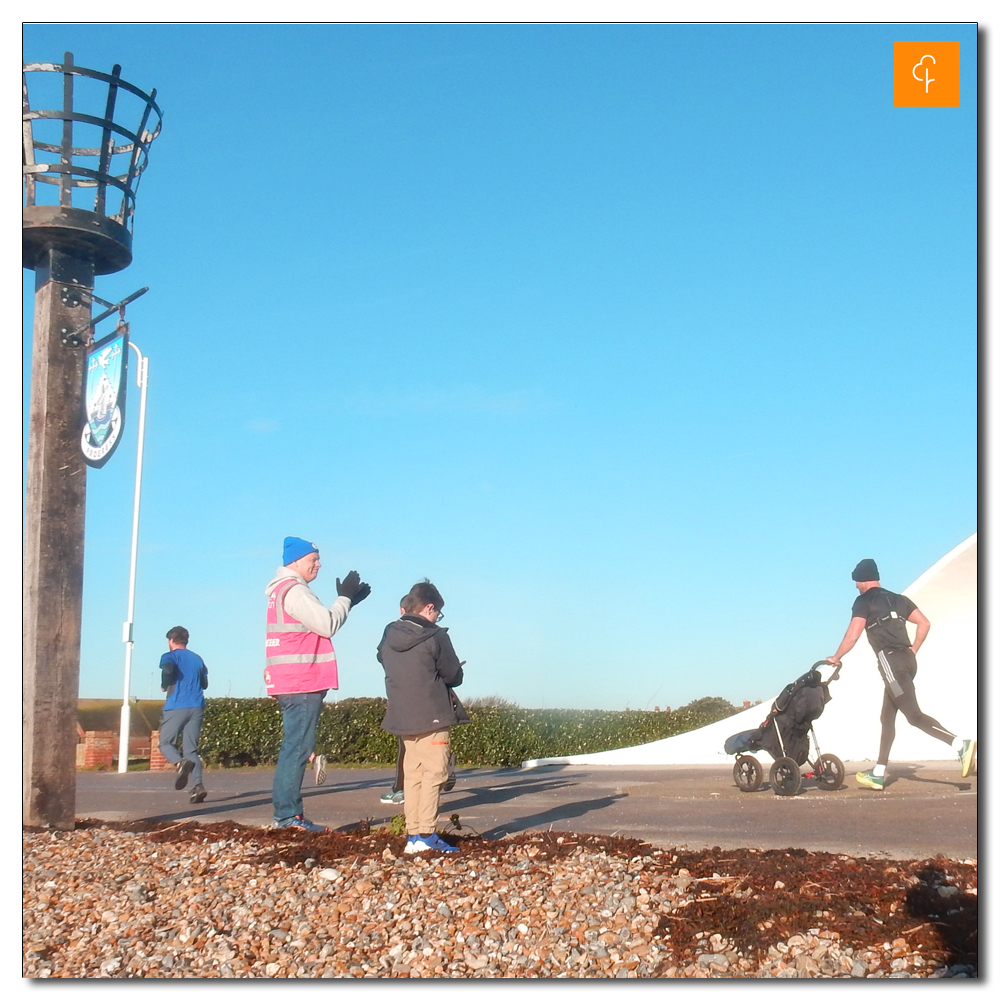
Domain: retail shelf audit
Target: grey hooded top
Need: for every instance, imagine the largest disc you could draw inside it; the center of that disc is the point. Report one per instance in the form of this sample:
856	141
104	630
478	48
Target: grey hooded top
421	667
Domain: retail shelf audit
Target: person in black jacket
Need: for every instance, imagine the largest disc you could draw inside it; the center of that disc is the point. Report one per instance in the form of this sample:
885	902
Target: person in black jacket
421	668
883	615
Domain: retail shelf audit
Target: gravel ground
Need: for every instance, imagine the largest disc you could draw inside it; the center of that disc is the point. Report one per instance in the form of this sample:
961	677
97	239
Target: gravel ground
159	901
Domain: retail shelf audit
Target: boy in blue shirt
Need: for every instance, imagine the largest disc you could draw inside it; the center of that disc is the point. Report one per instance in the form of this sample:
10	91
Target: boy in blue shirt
184	678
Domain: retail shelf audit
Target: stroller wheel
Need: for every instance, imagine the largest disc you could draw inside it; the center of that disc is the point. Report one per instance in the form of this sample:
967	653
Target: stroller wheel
747	773
830	773
786	779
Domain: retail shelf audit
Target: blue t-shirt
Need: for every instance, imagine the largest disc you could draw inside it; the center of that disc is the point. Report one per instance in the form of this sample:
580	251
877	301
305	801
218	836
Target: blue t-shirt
192	679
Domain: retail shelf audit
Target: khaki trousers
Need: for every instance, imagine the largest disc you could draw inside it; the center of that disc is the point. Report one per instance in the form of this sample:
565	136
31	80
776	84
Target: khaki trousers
425	770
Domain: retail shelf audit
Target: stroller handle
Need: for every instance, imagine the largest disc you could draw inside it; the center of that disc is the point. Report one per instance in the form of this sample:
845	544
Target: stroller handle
826	663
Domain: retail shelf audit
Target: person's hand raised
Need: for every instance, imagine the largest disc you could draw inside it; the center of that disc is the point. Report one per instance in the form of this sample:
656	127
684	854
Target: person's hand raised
352	588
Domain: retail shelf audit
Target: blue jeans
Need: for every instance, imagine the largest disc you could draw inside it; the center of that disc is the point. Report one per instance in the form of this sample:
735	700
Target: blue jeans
175	724
299	718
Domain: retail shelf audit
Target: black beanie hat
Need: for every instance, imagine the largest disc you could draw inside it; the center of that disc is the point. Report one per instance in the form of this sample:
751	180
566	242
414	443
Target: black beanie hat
866	570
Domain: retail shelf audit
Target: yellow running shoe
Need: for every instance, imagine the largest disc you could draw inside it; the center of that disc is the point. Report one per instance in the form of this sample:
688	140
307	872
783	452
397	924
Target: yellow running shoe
967	755
870	780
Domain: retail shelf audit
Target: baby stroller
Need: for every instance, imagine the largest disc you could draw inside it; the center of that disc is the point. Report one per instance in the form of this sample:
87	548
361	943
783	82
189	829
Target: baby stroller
785	734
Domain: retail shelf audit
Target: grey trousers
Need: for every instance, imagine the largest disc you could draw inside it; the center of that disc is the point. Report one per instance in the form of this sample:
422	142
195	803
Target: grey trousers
178	723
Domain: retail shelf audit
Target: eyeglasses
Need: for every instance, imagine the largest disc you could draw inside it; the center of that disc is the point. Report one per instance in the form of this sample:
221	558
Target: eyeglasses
440	615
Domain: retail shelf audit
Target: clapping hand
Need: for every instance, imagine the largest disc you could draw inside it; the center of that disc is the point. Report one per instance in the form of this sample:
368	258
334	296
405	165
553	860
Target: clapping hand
352	588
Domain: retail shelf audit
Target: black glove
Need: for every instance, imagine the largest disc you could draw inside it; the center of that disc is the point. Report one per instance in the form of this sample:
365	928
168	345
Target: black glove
350	585
360	594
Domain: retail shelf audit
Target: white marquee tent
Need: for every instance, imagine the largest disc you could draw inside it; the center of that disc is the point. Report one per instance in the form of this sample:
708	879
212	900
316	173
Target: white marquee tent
947	687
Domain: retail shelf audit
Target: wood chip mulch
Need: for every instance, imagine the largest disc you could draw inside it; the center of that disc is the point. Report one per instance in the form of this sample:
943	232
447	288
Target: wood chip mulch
223	900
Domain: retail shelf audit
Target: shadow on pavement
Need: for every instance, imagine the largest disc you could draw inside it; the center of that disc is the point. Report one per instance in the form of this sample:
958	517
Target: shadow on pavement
502	793
220	804
908	772
561	812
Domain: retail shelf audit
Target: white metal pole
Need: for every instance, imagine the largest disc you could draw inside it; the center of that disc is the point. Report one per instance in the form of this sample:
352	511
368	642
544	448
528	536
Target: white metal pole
142	380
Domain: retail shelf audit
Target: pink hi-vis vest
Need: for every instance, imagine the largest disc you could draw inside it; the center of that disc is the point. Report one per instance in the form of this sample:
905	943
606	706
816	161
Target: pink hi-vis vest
297	660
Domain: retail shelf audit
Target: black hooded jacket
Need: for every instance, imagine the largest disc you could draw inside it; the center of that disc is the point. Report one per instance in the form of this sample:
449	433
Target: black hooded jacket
421	667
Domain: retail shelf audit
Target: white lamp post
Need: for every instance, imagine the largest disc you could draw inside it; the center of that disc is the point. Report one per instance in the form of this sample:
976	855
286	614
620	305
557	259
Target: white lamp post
142	381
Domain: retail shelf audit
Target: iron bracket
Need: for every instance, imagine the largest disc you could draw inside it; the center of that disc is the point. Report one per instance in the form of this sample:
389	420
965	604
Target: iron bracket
84	334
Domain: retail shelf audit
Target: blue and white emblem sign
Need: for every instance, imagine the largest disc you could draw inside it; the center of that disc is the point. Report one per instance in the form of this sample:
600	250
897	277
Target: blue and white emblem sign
104	397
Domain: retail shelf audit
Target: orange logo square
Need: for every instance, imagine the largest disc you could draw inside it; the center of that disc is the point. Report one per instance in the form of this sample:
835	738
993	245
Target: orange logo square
926	74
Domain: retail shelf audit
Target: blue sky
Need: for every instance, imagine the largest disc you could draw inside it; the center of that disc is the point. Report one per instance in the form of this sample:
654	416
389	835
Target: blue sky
632	338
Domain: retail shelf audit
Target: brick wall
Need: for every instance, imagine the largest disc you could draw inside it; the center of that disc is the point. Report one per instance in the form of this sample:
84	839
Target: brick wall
97	750
157	762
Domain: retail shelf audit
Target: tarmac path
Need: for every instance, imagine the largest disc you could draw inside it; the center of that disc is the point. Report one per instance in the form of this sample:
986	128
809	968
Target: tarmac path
925	810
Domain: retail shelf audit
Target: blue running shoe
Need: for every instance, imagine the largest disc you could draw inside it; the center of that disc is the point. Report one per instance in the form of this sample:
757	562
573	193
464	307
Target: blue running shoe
299	823
437	844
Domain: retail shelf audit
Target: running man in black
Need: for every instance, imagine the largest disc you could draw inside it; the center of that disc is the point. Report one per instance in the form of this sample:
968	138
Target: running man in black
883	615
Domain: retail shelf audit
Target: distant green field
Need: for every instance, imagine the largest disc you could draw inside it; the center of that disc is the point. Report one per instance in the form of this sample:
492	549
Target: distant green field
105	714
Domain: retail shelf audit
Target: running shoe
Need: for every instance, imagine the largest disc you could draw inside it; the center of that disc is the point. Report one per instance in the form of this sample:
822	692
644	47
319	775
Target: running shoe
299	823
198	794
319	769
416	845
967	755
870	780
437	844
452	774
184	769
392	798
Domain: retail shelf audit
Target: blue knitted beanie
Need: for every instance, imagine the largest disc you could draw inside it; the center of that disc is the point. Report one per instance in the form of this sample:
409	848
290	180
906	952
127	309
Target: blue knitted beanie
296	548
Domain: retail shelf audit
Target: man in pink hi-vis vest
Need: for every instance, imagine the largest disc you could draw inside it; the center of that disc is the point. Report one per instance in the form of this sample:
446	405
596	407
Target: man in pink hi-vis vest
301	667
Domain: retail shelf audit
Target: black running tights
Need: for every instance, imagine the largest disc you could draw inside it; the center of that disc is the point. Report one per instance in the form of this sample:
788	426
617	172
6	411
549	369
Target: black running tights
898	668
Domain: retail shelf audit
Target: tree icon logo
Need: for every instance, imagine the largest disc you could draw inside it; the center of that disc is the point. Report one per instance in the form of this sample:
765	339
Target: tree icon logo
926	74
921	68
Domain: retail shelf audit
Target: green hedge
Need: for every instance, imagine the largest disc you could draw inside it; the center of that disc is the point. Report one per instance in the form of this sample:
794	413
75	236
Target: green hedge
247	731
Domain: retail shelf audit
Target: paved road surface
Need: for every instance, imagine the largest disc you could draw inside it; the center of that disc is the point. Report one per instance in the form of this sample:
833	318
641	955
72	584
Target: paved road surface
926	809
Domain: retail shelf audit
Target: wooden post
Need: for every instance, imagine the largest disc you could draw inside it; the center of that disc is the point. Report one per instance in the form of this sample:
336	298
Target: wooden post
53	543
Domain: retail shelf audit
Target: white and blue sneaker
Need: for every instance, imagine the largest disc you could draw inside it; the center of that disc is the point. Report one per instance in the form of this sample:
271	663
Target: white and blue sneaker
416	844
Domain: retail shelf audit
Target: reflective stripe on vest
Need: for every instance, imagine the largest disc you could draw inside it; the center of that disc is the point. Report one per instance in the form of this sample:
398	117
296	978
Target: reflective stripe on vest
297	660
